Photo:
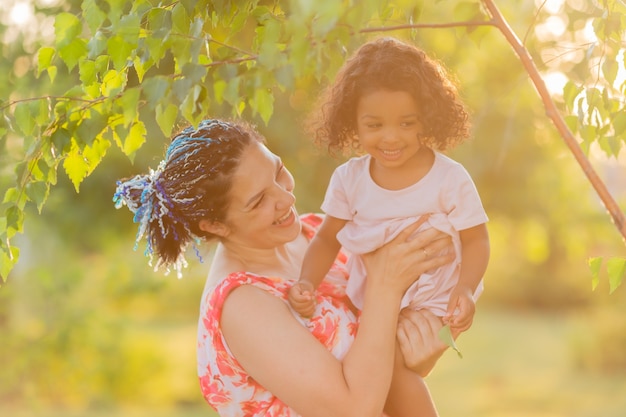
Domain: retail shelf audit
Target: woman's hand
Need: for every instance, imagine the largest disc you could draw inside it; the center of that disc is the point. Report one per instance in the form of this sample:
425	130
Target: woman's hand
418	338
401	261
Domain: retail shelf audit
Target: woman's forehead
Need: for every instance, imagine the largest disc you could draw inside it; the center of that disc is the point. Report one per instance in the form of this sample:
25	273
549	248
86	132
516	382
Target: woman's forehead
256	166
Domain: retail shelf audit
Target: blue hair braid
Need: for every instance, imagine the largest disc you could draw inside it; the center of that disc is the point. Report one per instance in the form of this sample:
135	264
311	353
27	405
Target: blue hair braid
189	185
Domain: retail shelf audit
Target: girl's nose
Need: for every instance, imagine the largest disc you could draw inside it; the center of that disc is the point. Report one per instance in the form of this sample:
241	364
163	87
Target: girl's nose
389	135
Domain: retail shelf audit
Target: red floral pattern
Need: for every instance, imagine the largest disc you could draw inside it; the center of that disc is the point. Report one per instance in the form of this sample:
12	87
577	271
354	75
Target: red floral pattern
224	383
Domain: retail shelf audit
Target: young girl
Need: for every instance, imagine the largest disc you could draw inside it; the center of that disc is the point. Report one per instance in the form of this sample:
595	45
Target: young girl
394	103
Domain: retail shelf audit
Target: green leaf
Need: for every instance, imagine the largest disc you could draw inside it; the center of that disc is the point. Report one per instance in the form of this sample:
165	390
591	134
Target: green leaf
619	122
87	71
93	15
72	53
130	102
91	126
155	89
609	69
129	28
61	139
76	166
15	220
115	9
95	152
52	72
8	259
180	19
445	335
594	267
37	192
120	51
40	110
191	108
44	58
610	145
135	138
102	64
23	118
96	45
616	269
112	83
166	117
141	67
570	92
16	197
262	103
67	28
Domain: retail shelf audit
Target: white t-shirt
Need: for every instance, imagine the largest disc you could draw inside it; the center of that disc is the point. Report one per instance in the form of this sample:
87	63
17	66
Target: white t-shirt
376	215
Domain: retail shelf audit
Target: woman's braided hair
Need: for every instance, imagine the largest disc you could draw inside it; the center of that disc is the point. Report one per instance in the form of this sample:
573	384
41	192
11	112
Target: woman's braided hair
191	184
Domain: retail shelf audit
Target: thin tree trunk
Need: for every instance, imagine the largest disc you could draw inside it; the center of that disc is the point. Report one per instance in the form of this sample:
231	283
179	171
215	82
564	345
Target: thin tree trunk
552	112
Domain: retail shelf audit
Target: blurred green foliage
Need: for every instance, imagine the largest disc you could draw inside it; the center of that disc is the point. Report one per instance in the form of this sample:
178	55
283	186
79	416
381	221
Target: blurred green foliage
86	324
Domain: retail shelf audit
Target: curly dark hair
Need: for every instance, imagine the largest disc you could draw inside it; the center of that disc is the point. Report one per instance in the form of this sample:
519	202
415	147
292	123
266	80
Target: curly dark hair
192	183
390	64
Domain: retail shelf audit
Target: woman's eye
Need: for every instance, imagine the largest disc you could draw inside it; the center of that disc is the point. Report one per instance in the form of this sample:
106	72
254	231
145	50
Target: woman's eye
258	203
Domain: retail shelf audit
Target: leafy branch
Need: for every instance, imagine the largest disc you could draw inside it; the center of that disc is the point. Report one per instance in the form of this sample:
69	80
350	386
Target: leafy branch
182	58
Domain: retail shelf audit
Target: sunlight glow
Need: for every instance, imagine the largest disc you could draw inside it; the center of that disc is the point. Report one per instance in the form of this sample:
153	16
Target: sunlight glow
555	81
551	6
21	13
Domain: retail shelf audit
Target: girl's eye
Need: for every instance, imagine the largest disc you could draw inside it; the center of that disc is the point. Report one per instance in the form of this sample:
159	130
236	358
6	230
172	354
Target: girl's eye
373	125
408	124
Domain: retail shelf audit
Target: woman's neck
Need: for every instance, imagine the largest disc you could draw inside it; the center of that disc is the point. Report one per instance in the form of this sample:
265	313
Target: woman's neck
281	261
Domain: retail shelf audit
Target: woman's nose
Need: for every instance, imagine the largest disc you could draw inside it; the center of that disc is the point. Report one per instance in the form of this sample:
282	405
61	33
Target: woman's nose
287	199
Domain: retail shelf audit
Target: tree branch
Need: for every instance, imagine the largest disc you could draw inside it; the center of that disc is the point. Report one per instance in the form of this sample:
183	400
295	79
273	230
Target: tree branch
552	112
468	23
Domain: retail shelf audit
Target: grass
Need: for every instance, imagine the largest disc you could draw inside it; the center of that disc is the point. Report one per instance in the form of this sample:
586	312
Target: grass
515	364
522	365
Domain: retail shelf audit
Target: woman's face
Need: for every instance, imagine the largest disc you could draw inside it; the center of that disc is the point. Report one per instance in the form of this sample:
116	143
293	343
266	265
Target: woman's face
261	213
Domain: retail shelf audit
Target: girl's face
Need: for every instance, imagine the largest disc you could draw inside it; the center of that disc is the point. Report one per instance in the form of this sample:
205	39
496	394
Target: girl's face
261	213
388	128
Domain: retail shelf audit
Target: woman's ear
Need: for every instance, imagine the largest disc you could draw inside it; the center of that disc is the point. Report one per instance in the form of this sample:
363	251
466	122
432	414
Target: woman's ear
214	227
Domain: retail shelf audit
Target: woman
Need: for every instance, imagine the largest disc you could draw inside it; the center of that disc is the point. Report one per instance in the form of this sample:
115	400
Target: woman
256	356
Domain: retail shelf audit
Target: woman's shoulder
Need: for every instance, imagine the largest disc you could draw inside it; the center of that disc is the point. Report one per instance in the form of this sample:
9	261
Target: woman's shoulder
311	223
217	294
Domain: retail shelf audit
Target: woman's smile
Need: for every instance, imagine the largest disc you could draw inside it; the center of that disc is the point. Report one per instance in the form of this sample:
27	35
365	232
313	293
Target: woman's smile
287	219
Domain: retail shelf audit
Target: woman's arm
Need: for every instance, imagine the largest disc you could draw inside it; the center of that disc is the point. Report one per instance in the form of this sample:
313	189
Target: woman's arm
288	361
418	338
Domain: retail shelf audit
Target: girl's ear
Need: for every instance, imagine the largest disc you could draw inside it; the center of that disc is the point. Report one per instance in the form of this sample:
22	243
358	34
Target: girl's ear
214	227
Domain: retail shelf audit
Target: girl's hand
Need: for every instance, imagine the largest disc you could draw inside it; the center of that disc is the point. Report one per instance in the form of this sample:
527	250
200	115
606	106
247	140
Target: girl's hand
461	309
400	262
301	298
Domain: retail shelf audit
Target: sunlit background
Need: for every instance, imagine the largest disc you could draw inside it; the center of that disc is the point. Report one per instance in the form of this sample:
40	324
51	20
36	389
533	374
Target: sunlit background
88	329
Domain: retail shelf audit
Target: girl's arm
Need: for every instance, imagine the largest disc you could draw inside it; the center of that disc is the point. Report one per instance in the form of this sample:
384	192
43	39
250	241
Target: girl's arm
322	251
287	360
475	256
475	249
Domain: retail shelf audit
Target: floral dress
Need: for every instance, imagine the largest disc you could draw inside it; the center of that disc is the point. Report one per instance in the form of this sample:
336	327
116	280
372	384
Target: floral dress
225	384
